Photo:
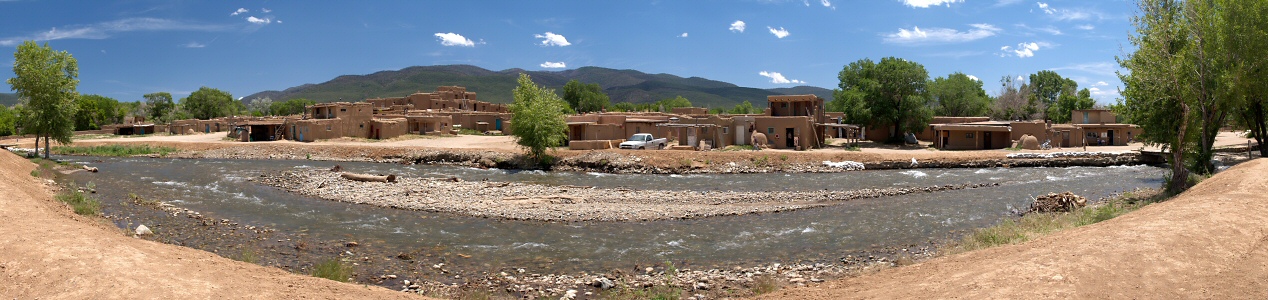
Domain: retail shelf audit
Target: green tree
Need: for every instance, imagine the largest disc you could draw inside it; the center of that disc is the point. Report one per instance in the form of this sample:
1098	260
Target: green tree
1244	35
743	108
624	107
1014	101
958	95
1067	102
890	93
94	111
668	104
585	98
1153	96
208	103
160	107
47	79
290	107
539	118
261	107
8	121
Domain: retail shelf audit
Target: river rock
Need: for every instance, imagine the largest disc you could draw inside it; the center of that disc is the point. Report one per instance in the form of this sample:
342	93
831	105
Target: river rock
142	230
603	283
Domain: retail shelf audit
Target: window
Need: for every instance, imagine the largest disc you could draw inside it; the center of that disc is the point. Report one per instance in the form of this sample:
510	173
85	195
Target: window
327	127
343	109
1085	117
361	126
724	130
783	105
770	130
968	135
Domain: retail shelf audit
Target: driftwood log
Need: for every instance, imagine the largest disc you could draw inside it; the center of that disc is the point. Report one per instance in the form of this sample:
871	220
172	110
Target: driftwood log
368	177
90	169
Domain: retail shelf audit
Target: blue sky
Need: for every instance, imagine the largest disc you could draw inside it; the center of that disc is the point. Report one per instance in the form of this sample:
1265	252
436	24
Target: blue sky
129	48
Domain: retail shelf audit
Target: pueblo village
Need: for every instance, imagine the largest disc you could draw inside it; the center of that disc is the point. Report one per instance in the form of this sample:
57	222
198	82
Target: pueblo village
1141	177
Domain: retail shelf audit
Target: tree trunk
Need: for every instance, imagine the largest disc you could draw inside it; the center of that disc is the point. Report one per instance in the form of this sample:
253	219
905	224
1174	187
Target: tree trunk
37	146
1179	174
368	177
46	146
1259	127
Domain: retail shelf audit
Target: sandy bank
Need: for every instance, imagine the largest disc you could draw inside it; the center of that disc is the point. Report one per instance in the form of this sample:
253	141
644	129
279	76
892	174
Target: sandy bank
48	252
1210	242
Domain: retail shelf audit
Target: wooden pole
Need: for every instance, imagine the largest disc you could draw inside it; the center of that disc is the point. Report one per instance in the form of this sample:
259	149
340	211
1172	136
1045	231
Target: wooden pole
368	177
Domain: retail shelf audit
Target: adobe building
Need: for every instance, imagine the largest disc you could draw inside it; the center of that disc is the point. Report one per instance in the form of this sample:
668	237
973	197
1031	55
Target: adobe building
793	119
972	136
1101	128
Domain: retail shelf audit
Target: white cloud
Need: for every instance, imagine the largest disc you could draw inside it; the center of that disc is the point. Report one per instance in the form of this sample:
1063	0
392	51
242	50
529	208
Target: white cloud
107	29
552	39
454	39
1085	27
779	33
239	11
777	78
917	36
1001	3
1062	14
1047	29
278	21
1023	50
1104	69
974	78
265	10
194	45
554	65
738	26
1100	83
255	20
684	34
928	3
827	4
1019	78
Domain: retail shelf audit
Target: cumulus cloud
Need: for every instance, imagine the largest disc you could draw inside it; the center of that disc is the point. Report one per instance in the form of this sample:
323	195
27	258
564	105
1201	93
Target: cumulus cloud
454	39
1100	83
827	4
738	26
917	36
107	29
777	78
554	65
239	12
552	39
779	33
265	10
684	34
1023	50
928	3
974	78
255	20
194	45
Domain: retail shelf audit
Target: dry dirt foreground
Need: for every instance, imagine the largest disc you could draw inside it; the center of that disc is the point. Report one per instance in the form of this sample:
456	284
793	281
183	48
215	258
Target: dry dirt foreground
1210	242
46	251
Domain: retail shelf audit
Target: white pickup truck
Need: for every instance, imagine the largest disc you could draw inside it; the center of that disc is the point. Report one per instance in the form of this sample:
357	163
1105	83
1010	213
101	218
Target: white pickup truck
643	141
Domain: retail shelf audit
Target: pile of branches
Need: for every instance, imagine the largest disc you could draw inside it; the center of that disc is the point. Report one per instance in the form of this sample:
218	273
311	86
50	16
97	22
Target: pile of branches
1054	202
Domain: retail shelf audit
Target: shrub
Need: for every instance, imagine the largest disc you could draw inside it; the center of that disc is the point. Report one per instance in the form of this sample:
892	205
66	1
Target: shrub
82	204
332	269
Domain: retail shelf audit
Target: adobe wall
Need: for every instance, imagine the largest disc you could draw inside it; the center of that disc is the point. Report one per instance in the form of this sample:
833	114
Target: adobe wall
388	128
1038	129
594	145
776	129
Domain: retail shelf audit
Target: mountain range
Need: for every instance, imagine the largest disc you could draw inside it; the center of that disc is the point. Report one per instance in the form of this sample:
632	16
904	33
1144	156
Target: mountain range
495	86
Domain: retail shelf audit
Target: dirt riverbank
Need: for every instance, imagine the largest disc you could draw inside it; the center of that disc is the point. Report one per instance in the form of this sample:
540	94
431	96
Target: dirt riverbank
48	252
1210	242
499	152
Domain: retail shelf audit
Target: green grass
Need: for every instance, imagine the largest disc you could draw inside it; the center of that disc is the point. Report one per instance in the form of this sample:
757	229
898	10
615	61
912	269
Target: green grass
1035	225
332	269
764	284
248	255
113	150
83	204
738	148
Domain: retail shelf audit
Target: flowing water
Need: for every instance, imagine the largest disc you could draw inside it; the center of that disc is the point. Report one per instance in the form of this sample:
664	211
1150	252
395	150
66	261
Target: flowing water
221	188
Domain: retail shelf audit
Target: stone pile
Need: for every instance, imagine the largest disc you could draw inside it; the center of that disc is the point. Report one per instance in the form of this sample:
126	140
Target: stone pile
1054	202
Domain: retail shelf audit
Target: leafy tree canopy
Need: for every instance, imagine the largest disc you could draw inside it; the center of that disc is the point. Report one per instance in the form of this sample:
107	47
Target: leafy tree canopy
890	93
958	95
539	118
208	103
47	80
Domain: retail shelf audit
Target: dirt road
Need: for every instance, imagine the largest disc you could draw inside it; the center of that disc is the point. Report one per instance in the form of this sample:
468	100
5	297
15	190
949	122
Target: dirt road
46	251
1210	242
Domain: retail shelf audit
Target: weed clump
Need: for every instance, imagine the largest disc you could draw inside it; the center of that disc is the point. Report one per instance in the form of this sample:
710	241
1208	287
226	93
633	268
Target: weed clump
83	205
332	269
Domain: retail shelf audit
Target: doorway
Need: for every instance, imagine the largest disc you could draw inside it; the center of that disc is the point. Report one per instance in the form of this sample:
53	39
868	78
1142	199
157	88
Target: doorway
1110	135
497	124
788	138
986	140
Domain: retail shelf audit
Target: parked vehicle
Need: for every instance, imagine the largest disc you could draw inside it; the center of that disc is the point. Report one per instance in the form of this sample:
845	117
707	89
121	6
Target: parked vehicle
644	141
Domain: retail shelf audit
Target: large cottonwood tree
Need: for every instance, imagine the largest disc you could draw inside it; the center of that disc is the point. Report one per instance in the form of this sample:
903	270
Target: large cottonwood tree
891	93
47	80
538	116
959	95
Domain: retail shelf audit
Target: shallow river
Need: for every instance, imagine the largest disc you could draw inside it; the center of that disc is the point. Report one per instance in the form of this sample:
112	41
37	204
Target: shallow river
220	188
